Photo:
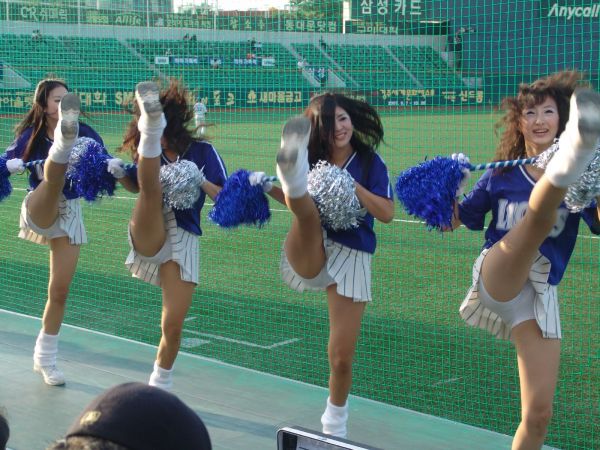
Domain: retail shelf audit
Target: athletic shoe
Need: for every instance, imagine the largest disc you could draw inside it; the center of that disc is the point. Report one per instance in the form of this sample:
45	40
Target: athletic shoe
156	381
584	117
148	99
68	115
294	143
292	157
52	375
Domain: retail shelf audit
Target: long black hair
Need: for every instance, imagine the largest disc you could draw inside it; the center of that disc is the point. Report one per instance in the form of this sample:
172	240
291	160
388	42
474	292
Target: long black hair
368	130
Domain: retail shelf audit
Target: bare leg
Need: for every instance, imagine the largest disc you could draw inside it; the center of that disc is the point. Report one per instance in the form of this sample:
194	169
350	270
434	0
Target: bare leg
147	222
538	374
63	262
177	298
506	267
42	204
345	317
304	243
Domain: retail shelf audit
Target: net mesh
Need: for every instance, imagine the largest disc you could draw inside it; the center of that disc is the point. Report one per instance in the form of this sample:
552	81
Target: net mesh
433	69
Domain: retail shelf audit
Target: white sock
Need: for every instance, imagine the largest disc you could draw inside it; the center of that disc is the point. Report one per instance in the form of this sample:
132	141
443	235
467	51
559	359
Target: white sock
46	349
578	143
334	419
61	147
162	378
151	130
294	183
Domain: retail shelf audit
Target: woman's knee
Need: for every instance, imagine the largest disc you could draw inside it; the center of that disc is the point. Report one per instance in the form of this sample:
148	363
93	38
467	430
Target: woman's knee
537	418
172	331
340	362
58	292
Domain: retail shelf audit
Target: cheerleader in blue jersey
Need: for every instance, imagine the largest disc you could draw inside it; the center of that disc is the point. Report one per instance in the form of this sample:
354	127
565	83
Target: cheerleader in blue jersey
164	241
51	212
344	132
531	234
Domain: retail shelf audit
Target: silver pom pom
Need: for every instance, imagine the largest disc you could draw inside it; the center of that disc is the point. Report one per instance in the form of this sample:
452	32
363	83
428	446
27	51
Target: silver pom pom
581	193
332	190
544	158
181	182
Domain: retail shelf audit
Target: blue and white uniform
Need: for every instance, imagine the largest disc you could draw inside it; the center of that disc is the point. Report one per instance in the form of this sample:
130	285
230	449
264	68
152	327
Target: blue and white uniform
348	252
183	226
506	195
70	218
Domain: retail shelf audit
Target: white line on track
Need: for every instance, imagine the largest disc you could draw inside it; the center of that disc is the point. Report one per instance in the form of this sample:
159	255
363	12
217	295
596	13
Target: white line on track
247	344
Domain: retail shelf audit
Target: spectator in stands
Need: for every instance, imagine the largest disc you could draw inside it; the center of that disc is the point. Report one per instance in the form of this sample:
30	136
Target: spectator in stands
302	64
134	416
193	38
168	52
345	133
200	111
457	47
532	234
51	213
322	43
186	37
4	430
163	239
36	35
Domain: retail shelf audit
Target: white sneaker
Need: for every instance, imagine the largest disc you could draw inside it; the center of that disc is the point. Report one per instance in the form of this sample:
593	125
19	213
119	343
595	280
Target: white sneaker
584	117
52	375
292	157
294	143
148	99
156	381
68	115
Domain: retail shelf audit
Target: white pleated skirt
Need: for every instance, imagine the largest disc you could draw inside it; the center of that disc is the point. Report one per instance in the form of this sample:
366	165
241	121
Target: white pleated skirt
350	269
69	223
180	246
545	303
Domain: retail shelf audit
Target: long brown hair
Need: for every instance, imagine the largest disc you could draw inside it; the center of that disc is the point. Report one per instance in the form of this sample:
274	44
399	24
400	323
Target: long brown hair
368	129
36	117
558	86
175	100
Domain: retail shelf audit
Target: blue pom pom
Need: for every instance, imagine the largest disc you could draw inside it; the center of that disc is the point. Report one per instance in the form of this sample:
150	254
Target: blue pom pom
427	190
5	186
88	172
239	203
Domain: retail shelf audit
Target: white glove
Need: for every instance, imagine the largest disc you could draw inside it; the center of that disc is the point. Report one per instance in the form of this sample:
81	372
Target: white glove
15	165
256	178
115	167
462	159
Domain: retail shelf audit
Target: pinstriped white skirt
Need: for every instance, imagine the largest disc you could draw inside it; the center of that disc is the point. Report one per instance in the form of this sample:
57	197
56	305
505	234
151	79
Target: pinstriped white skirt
69	223
180	246
350	269
543	303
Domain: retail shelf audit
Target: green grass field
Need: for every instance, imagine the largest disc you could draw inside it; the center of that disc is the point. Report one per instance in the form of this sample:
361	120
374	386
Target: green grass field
414	350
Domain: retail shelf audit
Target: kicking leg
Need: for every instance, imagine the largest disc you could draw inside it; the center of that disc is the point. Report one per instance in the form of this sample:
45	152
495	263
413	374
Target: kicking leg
506	267
304	243
42	204
147	222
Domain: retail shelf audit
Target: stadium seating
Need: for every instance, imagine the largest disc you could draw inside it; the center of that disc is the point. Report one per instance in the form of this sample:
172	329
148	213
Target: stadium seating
95	63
